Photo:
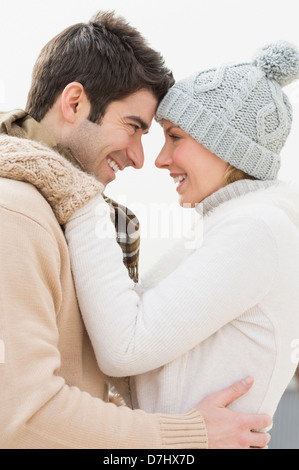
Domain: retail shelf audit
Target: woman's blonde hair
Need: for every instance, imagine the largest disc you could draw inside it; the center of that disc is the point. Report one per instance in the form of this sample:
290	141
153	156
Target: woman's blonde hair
233	174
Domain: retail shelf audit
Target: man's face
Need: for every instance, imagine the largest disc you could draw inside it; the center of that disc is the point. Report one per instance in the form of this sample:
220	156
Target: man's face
115	143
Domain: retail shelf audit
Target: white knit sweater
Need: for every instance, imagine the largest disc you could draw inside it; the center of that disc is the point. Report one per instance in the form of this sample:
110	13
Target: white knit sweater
229	309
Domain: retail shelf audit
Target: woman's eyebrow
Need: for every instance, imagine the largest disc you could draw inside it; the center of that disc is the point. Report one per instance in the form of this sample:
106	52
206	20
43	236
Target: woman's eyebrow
170	127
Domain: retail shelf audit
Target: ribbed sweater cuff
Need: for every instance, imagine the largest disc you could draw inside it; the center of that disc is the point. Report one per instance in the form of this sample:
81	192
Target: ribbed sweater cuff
186	431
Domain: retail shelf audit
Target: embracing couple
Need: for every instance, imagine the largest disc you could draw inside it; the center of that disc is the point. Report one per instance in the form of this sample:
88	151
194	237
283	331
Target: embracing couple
200	353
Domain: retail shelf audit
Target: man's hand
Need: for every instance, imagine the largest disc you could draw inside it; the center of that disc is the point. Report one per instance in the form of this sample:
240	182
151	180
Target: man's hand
228	429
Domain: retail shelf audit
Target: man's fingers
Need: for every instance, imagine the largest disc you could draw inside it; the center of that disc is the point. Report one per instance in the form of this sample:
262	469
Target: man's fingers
259	440
228	429
234	391
258	422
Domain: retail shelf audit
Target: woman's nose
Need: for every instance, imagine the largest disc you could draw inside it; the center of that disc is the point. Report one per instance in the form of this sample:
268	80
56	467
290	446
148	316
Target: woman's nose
163	160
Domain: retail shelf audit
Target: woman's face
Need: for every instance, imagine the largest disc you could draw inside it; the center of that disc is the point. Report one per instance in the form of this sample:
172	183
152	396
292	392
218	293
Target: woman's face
196	171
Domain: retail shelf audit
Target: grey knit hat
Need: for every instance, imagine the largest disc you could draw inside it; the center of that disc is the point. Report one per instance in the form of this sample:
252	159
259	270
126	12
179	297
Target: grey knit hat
239	112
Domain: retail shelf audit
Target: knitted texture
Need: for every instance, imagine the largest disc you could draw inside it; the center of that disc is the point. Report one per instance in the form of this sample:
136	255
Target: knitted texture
239	112
65	187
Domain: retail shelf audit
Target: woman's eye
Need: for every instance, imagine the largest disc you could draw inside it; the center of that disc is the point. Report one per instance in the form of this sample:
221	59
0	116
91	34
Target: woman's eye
174	137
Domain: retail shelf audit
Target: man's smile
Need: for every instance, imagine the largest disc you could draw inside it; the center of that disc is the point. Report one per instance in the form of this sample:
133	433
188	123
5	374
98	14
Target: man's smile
112	163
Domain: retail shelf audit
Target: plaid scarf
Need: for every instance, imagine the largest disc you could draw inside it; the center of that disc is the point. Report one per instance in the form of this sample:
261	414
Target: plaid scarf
19	124
127	235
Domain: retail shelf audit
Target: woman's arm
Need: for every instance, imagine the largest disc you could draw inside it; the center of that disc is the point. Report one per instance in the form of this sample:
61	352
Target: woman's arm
231	272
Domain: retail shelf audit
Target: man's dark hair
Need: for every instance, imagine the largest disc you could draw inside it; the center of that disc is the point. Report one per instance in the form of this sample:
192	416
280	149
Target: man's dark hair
107	56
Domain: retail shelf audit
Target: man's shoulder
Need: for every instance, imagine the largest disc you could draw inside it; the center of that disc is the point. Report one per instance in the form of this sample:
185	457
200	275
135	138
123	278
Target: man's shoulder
24	199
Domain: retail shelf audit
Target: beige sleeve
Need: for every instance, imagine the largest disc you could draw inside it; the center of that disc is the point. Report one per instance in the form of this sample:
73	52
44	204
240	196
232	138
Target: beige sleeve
38	409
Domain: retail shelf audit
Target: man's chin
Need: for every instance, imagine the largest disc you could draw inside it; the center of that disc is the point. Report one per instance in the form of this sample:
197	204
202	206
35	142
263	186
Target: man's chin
104	179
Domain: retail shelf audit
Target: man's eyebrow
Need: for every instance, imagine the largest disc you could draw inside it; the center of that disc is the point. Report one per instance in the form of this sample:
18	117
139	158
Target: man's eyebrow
143	125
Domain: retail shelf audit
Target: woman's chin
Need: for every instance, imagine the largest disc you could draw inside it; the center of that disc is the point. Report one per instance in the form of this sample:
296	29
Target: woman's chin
185	204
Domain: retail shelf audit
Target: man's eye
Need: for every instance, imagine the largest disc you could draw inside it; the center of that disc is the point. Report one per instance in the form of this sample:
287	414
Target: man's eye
135	127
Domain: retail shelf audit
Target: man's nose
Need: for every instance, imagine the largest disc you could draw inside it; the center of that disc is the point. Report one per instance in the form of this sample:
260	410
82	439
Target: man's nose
136	156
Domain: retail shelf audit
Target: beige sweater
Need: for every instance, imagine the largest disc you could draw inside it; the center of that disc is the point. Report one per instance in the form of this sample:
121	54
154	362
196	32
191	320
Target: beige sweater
52	392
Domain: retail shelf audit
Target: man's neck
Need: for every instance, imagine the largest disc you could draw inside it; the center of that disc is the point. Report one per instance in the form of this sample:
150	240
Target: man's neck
50	125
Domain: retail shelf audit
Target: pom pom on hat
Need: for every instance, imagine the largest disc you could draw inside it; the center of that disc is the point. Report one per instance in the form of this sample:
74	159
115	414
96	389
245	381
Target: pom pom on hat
279	61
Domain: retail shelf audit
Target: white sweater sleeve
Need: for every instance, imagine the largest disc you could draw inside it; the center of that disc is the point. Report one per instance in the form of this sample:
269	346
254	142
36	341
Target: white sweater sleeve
231	272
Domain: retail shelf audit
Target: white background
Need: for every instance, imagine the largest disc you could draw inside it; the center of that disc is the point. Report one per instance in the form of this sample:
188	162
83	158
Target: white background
190	34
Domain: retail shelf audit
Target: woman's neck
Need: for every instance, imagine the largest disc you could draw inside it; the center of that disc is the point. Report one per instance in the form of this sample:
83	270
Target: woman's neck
231	191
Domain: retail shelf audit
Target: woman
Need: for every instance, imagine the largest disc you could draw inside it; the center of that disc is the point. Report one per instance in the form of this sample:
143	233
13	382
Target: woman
230	307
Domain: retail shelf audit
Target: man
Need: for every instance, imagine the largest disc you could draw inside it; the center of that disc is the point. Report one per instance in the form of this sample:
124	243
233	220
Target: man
95	89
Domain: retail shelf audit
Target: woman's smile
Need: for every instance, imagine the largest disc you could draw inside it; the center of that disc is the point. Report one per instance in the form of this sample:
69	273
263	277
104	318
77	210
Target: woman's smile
195	170
179	179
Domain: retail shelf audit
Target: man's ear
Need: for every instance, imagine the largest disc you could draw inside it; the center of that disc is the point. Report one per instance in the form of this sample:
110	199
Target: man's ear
74	103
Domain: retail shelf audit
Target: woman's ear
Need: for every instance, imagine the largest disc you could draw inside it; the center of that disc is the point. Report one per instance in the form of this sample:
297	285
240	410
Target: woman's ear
74	103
